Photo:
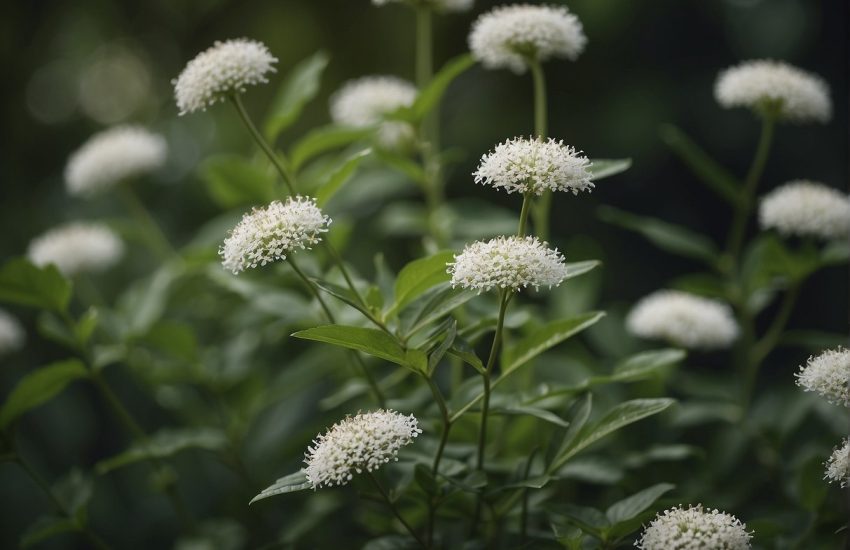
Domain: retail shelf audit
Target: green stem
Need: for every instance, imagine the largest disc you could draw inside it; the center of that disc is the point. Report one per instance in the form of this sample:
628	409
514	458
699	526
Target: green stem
433	501
139	435
523	215
744	206
84	529
544	204
394	510
287	178
424	47
488	373
373	386
156	239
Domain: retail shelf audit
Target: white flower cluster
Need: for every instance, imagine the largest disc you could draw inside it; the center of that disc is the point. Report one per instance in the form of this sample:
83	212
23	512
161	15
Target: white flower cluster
507	263
806	208
77	247
531	165
828	374
694	528
366	101
683	319
112	156
838	465
267	234
226	68
508	37
362	442
11	334
439	5
797	96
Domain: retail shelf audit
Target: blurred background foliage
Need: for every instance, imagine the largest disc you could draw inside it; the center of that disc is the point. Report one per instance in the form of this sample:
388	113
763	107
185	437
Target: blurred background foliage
72	68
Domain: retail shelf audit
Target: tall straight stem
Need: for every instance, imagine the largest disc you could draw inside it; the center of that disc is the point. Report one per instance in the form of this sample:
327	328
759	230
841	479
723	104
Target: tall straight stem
523	215
544	204
288	179
373	385
488	373
742	212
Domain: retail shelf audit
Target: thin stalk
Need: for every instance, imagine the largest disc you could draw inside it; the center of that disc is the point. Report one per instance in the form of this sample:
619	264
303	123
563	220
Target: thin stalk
138	434
742	212
523	523
373	385
424	47
544	204
394	510
523	215
491	361
433	502
156	239
287	178
84	529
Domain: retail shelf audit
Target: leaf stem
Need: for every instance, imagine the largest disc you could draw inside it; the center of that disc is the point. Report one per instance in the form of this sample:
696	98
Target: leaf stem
84	529
394	510
285	175
373	385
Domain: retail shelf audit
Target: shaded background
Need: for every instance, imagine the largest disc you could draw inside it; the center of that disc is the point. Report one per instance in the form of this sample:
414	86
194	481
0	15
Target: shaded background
648	62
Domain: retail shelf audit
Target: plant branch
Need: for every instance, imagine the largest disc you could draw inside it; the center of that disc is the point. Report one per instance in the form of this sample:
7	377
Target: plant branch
394	510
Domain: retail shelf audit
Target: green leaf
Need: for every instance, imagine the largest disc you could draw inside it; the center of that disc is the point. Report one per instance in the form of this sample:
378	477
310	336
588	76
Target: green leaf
437	355
289	484
462	350
340	176
234	181
430	97
42	287
574	269
418	276
144	303
717	178
410	169
620	416
579	419
323	139
637	366
46	527
542	414
603	168
166	443
74	491
300	87
666	236
546	338
368	340
39	387
432	306
342	293
631	507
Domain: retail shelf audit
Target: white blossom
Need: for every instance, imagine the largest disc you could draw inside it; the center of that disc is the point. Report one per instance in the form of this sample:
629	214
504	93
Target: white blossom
507	263
530	165
795	95
439	5
838	465
368	100
77	247
508	37
808	209
828	375
112	156
224	69
366	441
694	528
11	333
270	233
683	319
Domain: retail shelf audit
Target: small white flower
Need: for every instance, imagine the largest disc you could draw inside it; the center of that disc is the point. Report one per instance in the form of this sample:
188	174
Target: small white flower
838	465
507	37
828	374
531	165
224	69
366	441
11	333
806	208
796	95
268	234
507	263
683	319
439	5
694	528
77	247
112	156
366	101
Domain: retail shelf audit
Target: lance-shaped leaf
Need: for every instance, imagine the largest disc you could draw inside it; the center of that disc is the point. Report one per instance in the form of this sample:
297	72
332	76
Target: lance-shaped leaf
299	88
39	387
340	176
430	97
418	276
603	168
368	340
322	140
43	287
164	444
288	484
235	181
